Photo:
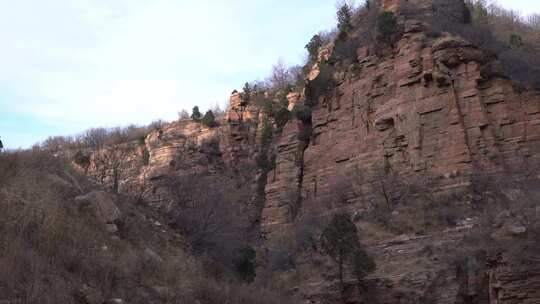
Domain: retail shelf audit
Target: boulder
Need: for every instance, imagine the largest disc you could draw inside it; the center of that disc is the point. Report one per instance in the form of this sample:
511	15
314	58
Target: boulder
101	205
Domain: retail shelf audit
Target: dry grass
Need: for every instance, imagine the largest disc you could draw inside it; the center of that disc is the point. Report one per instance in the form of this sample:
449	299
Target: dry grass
51	252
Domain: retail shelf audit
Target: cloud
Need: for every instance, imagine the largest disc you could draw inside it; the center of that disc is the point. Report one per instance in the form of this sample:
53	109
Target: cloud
68	65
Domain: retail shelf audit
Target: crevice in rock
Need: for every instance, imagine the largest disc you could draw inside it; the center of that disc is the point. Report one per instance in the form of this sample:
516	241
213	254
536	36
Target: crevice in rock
460	115
304	136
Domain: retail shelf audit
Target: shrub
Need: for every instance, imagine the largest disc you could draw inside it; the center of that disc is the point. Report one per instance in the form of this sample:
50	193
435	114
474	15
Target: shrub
522	67
267	107
515	41
346	49
451	11
156	125
263	161
246	93
320	85
218	111
313	46
95	138
54	251
303	113
499	33
183	115
209	119
282	116
58	143
244	264
479	11
340	241
210	146
387	28
146	158
344	16
196	113
197	212
81	159
282	78
142	140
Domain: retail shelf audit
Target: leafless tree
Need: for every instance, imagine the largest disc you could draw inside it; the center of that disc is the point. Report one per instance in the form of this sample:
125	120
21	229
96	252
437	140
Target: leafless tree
217	110
388	185
282	77
95	138
184	115
111	165
204	210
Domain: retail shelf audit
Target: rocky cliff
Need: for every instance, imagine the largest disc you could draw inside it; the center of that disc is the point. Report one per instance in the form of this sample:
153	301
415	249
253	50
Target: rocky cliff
429	114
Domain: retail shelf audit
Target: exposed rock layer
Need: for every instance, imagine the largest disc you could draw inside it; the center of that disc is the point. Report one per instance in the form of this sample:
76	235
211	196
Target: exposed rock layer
429	108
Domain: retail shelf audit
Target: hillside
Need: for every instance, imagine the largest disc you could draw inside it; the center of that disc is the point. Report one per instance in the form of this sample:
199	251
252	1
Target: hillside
419	120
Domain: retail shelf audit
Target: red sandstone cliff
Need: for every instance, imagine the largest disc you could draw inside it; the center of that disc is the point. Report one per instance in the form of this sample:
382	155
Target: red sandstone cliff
429	108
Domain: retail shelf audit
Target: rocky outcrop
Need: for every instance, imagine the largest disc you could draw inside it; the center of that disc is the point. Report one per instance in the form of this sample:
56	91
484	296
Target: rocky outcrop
101	206
431	108
513	284
427	110
179	148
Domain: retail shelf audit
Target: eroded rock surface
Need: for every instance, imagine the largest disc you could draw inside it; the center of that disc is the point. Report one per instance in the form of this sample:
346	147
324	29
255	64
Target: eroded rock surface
434	107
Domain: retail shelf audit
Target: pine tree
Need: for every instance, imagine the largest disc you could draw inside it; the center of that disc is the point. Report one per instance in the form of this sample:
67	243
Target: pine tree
340	241
387	27
344	16
313	46
246	94
196	114
209	119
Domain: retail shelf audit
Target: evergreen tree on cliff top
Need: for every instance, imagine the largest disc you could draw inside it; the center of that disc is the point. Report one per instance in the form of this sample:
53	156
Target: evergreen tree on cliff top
209	119
344	17
196	113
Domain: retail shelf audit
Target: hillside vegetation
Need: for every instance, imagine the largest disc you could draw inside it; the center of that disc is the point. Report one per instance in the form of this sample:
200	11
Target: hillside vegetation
64	240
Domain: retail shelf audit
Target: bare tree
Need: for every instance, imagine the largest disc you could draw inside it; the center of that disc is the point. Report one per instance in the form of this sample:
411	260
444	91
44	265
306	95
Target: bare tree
111	165
388	186
207	213
183	115
282	77
217	110
95	138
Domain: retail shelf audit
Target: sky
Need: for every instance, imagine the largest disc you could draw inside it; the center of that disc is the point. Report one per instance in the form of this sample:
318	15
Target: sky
68	65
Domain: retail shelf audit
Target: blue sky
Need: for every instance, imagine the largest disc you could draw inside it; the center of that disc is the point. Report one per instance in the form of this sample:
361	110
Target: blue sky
67	65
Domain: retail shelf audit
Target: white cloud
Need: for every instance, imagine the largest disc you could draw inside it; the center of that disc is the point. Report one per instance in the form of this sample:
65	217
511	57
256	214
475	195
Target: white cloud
71	64
525	7
97	62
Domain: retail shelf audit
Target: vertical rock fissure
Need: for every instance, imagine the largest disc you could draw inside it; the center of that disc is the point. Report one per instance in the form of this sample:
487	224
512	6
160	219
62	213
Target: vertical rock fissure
304	144
460	116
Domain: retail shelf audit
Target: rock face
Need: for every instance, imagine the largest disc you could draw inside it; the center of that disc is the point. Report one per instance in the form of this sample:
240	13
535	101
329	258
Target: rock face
426	109
101	206
511	284
431	107
178	148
